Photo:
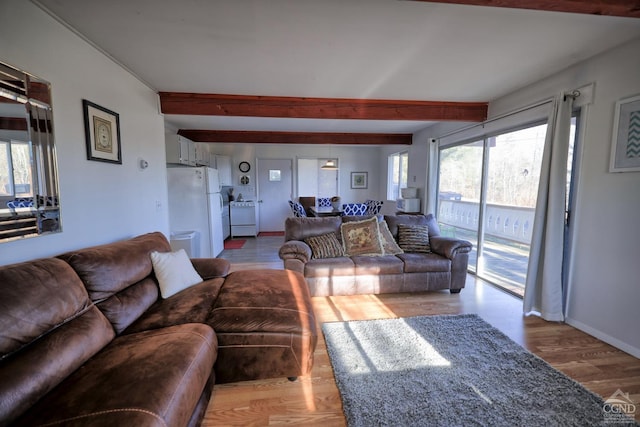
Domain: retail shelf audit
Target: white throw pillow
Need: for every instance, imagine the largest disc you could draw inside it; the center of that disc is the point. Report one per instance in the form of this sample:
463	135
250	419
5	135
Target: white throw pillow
174	272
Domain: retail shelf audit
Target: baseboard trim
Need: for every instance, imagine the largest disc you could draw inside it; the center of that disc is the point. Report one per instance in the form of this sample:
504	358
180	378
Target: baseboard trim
634	351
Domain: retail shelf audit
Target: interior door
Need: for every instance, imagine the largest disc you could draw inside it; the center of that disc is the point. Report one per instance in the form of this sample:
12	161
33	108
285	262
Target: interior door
275	185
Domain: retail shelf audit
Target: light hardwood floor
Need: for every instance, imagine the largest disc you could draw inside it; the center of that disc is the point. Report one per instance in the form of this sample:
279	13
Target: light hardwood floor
315	400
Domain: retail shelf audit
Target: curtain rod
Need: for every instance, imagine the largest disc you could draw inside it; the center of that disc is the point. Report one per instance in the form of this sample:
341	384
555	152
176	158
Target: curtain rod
573	94
501	116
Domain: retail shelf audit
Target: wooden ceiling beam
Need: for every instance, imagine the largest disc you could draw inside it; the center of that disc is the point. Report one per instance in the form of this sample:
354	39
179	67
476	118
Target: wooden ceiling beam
13	123
624	8
270	137
203	104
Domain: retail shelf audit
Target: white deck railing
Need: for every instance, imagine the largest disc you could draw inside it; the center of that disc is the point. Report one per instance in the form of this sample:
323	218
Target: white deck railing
507	222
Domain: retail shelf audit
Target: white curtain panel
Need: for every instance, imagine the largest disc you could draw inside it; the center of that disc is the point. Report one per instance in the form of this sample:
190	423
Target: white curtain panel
543	289
431	193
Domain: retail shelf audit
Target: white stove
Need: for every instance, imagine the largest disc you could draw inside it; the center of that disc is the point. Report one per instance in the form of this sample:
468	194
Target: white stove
243	218
243	204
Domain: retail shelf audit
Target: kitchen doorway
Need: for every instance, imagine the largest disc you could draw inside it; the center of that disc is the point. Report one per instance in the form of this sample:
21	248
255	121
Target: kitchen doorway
275	186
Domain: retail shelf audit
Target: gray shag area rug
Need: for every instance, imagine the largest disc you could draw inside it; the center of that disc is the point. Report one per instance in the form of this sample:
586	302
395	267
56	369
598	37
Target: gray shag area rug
450	371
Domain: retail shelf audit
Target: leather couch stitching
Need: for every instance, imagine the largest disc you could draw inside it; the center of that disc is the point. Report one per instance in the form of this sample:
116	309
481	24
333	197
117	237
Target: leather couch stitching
106	412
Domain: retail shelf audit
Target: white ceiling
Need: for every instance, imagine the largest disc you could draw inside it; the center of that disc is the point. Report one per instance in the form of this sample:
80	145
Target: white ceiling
376	49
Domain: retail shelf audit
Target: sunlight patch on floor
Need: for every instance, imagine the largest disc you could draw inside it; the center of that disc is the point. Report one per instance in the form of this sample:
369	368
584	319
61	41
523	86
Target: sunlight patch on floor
373	349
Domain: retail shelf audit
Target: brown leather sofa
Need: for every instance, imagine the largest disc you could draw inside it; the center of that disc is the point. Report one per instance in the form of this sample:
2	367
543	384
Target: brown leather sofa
86	339
444	268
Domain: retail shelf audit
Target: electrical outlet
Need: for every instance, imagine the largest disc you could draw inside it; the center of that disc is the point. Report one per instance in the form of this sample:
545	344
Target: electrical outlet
158	205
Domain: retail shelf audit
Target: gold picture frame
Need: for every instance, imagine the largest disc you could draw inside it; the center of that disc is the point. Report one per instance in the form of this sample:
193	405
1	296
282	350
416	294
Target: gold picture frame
102	133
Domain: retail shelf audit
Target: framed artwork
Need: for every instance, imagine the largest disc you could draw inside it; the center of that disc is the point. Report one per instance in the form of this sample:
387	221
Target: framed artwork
102	133
625	143
359	179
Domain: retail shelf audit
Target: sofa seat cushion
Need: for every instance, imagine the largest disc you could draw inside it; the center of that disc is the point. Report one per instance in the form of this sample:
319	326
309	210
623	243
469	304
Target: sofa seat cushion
380	265
424	262
192	305
265	326
256	301
153	378
341	266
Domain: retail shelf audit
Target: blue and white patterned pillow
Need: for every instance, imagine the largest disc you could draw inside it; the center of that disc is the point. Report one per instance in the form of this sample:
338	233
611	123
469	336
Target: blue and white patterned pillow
373	206
324	202
297	209
354	209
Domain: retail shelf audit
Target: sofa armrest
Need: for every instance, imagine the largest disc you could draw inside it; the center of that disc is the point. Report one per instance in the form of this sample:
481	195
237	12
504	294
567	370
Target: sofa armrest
295	249
449	246
210	268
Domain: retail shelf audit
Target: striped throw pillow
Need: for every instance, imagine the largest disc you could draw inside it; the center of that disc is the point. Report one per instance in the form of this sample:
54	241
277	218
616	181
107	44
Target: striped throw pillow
413	238
325	246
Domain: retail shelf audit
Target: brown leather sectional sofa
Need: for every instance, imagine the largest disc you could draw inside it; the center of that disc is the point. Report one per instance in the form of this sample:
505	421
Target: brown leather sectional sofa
86	339
444	268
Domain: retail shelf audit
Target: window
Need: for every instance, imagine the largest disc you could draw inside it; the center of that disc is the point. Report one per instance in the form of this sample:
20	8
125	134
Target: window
397	173
315	181
15	170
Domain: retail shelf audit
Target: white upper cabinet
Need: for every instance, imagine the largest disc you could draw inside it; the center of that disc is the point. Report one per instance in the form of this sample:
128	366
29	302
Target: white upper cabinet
180	150
223	164
203	157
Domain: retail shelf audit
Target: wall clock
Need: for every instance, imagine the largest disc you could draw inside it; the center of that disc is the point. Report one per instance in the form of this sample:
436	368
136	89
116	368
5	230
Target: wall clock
244	167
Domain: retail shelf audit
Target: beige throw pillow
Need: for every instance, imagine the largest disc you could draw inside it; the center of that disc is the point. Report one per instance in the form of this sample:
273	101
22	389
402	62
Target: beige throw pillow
174	272
388	242
361	237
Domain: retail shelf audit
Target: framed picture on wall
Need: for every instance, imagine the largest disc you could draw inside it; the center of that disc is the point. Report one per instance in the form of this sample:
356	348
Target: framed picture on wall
359	179
102	133
625	144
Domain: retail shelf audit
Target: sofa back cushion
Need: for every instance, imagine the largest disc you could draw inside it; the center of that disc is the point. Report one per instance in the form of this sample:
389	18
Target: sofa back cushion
48	329
301	228
119	276
428	220
352	218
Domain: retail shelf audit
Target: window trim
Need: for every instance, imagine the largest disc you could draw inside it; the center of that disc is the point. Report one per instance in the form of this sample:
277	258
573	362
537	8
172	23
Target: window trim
390	176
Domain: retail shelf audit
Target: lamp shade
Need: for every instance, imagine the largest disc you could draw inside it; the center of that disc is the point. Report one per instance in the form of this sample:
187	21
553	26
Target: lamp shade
330	165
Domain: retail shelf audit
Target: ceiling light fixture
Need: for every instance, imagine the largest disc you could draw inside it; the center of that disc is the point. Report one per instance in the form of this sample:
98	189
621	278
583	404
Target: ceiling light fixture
329	166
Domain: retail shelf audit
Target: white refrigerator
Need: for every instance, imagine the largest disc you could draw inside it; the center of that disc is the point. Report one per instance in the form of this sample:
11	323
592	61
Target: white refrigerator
195	204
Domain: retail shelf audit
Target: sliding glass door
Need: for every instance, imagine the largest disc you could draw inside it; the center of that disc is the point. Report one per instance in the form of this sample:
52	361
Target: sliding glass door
513	171
459	193
487	194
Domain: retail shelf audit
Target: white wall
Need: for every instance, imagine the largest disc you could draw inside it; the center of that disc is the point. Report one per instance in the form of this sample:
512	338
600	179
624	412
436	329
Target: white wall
351	159
100	202
604	288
